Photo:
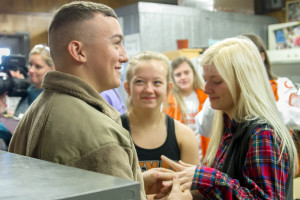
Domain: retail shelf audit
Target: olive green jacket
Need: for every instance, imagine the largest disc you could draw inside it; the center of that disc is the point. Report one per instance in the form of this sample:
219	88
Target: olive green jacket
71	124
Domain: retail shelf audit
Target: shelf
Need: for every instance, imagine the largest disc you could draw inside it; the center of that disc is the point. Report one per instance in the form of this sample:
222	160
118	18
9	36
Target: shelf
189	53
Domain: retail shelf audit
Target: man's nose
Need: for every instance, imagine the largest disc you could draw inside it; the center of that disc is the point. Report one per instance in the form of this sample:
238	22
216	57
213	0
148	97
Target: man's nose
123	55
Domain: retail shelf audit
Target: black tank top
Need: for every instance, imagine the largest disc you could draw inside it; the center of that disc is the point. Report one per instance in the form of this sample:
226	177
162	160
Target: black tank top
150	158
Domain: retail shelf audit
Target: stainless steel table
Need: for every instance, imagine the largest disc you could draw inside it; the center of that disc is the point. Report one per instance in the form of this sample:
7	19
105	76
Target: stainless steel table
23	177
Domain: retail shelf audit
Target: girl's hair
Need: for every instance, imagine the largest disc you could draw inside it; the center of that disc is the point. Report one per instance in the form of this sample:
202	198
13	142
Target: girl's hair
44	51
262	49
145	56
239	63
176	90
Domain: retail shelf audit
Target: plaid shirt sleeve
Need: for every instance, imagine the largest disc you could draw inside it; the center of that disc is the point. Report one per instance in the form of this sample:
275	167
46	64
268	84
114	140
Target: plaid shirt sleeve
264	173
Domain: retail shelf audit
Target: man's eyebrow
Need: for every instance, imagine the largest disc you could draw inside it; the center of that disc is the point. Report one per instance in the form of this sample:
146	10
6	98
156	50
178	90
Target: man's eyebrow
117	35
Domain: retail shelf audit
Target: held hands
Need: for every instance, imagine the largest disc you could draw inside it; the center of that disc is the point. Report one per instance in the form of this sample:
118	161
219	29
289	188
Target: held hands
154	177
184	172
177	193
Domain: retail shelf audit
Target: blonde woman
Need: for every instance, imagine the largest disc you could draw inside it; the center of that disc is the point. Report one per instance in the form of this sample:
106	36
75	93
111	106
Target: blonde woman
187	97
153	132
251	154
40	62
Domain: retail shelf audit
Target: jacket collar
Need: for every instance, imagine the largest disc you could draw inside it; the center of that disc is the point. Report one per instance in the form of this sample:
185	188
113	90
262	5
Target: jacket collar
74	86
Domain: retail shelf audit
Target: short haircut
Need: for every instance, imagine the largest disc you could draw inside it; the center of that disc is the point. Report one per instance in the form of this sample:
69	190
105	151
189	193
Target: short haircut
78	11
68	16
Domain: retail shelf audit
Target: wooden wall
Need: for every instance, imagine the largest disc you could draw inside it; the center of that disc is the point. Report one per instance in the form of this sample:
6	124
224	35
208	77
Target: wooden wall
35	24
34	16
50	5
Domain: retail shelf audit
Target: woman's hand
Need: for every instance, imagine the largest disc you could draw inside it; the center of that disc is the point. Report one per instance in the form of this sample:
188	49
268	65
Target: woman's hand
177	193
185	173
154	177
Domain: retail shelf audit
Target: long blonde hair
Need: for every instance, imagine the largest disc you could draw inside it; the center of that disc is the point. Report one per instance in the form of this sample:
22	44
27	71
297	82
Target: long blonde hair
197	84
239	63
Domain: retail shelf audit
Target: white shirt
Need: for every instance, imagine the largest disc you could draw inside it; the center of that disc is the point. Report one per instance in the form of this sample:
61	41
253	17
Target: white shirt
192	105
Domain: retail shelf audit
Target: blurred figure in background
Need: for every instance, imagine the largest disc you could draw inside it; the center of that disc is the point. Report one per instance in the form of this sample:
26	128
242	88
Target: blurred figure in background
114	98
13	101
117	97
40	62
21	94
186	98
13	81
284	87
5	135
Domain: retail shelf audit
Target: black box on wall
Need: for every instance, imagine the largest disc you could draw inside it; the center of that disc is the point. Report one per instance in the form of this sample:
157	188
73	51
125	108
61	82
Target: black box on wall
266	6
18	43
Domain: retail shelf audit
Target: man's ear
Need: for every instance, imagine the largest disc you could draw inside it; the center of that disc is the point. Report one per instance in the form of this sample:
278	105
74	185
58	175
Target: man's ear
75	49
126	87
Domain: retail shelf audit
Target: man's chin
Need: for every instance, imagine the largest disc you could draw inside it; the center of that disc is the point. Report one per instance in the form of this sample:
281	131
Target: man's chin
117	84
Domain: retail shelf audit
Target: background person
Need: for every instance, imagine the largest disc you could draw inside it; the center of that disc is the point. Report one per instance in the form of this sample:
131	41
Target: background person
114	98
187	97
5	135
13	101
251	150
40	62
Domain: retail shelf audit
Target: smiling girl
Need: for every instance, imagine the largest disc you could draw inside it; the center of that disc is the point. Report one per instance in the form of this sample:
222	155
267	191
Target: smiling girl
153	132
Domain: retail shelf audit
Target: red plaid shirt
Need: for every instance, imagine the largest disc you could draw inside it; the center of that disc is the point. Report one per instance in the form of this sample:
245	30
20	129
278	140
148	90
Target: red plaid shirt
264	174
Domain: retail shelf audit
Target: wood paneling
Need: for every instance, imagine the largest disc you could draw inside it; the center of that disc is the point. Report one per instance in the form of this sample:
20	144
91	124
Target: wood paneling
46	6
34	16
244	6
36	25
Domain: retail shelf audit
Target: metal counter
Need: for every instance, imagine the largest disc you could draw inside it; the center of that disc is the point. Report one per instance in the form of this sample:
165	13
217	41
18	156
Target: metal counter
23	177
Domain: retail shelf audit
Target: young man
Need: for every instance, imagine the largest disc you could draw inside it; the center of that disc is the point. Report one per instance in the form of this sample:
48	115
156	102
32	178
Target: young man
69	123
